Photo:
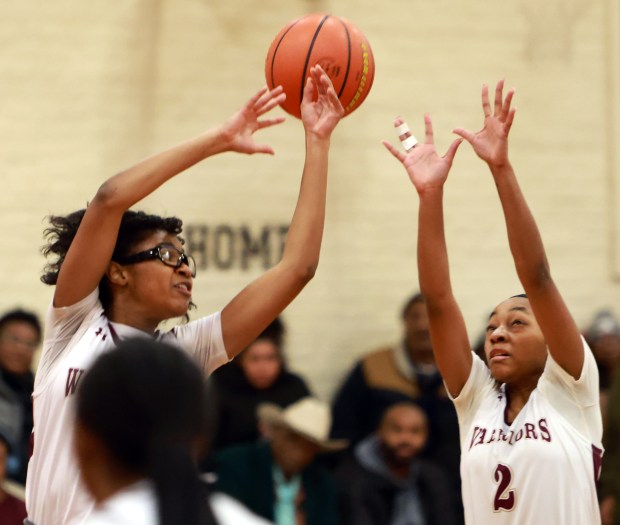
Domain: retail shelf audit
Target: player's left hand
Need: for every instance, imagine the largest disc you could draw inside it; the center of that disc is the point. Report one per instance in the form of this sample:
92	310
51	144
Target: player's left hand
491	142
320	116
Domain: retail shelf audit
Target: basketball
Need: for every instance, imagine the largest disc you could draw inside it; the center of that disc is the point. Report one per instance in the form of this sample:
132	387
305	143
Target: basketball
334	43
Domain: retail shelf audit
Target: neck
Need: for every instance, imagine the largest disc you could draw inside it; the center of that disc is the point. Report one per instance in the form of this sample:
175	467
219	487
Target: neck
109	481
517	395
399	470
420	357
132	316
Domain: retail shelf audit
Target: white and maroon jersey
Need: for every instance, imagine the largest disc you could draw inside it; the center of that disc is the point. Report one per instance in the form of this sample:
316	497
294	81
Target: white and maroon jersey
74	337
541	469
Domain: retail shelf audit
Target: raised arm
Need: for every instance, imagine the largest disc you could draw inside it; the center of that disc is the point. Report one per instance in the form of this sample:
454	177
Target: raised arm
263	299
91	250
491	145
428	173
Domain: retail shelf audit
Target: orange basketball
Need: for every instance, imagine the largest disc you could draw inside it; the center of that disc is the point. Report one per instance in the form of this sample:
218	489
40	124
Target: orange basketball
334	43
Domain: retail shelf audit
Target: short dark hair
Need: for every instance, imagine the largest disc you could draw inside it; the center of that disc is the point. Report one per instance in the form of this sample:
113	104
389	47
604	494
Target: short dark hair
274	332
21	316
135	227
414	299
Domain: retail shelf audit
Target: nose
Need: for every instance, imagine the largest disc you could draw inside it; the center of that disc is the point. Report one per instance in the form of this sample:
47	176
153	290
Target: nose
498	335
185	270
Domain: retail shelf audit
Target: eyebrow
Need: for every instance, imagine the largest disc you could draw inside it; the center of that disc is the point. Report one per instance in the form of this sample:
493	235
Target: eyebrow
513	309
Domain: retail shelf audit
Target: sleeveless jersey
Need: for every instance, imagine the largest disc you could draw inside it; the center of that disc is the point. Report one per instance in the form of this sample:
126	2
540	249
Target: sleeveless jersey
541	469
74	337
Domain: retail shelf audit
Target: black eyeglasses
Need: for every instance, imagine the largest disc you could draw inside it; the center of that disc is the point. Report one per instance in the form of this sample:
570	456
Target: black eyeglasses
166	253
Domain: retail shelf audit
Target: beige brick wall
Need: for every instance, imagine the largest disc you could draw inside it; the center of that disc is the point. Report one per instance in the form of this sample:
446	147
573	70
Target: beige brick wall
89	87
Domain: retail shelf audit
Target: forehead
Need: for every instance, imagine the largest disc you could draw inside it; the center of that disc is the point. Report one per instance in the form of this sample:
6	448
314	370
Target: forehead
416	309
261	347
24	328
405	415
159	237
512	304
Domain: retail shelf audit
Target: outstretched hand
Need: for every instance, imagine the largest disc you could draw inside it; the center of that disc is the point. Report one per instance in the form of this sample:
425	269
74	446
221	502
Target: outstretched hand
491	142
425	167
239	130
320	116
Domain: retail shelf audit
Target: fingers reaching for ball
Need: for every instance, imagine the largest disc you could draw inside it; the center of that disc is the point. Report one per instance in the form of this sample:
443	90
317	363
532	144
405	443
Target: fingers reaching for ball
321	109
268	99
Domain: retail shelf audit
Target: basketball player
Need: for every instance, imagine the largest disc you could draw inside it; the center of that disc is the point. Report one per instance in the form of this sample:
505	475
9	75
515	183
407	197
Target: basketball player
139	414
530	424
119	273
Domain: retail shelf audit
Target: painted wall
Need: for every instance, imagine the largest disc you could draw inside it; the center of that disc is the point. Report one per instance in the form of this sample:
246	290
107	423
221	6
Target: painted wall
87	88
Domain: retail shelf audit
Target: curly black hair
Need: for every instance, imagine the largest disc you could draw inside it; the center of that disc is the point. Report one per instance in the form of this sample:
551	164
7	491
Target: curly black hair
134	228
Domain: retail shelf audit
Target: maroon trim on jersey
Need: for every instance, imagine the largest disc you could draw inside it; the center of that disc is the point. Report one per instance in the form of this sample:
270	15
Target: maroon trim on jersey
597	457
114	335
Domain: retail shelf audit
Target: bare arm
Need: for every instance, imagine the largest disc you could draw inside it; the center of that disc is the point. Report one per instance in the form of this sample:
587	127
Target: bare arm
263	299
90	252
491	145
428	173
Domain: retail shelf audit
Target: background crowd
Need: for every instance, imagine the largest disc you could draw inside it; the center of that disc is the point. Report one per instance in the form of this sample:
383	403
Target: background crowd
384	451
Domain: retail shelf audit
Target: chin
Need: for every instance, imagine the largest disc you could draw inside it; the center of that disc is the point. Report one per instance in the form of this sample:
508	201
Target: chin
501	375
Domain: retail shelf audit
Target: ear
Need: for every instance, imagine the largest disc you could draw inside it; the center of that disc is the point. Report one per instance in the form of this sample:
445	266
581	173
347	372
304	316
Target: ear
117	274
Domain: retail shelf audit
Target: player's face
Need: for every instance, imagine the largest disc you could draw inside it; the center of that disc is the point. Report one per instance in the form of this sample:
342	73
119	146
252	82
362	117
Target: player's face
402	434
261	363
161	291
515	346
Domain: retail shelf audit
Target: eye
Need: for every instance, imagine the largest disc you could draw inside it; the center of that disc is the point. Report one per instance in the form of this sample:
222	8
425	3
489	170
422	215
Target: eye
517	322
490	328
166	254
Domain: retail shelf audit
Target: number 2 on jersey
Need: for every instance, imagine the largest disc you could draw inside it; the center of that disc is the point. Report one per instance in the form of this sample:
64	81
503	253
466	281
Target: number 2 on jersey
505	497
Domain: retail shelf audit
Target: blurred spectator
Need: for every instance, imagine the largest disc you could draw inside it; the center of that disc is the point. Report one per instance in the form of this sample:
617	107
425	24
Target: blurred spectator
609	489
20	336
385	482
404	372
281	480
603	337
12	510
258	375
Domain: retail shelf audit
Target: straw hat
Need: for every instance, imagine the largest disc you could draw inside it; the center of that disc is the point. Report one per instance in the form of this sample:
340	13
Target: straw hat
307	417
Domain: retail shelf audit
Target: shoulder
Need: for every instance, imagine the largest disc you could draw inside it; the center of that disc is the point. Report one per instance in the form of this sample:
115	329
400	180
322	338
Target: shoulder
292	380
379	355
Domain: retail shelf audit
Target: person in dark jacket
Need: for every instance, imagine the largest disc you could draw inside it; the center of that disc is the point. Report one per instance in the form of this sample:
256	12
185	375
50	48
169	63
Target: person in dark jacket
258	375
281	480
403	372
20	337
385	482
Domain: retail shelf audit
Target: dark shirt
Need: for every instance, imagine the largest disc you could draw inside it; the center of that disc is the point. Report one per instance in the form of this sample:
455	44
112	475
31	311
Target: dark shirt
19	388
235	402
245	473
368	495
375	384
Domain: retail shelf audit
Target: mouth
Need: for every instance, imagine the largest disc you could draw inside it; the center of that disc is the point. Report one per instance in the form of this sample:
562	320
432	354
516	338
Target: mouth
184	287
497	355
